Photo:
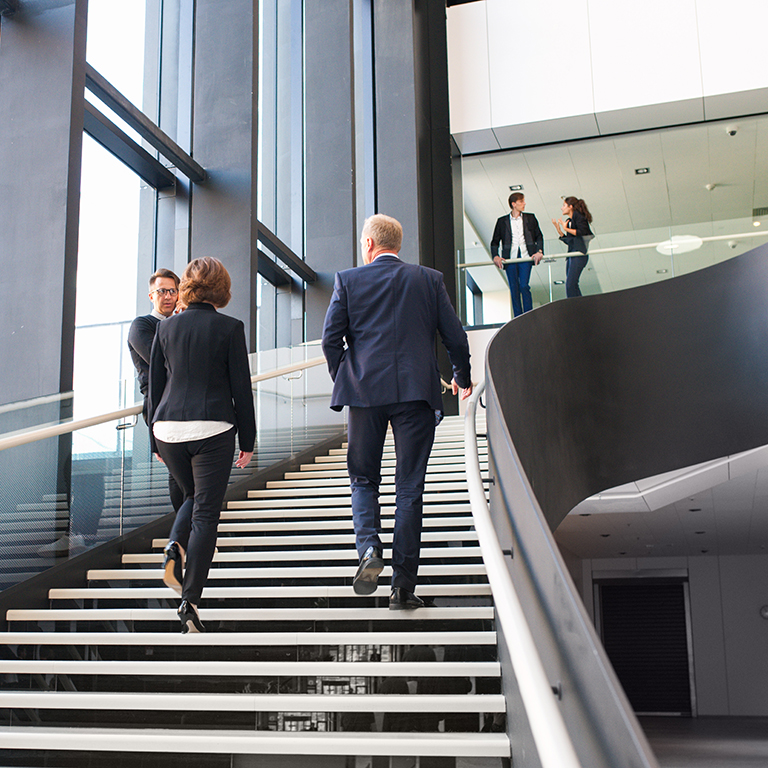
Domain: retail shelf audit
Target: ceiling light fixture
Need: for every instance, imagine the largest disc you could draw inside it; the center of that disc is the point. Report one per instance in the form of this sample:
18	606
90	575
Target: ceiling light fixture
558	282
516	188
662	271
642	171
755	223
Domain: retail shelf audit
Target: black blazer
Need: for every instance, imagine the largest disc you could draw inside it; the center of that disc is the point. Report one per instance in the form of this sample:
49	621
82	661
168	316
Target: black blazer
580	240
140	337
502	234
388	312
199	371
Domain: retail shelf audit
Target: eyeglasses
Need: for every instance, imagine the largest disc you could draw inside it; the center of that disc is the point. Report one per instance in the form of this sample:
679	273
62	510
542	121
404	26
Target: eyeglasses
165	291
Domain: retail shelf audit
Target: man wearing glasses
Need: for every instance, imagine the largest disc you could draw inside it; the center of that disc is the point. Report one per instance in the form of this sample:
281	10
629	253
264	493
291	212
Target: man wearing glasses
163	293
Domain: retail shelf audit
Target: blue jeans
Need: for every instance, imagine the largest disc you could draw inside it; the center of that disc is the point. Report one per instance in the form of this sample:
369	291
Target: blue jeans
413	426
574	266
519	276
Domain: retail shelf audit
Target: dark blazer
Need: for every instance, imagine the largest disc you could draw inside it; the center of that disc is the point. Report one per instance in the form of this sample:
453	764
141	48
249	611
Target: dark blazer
388	312
580	240
502	235
199	371
140	337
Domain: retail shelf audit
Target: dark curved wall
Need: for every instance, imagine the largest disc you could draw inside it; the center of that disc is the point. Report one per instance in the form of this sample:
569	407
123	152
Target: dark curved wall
603	390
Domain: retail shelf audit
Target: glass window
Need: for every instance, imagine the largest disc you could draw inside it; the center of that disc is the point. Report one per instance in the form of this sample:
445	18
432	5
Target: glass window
106	289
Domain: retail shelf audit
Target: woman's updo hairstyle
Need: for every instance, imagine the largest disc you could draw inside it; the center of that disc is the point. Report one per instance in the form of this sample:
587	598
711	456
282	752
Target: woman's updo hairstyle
206	279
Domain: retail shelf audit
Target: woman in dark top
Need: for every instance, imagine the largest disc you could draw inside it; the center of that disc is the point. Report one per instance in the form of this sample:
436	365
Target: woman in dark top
576	234
199	397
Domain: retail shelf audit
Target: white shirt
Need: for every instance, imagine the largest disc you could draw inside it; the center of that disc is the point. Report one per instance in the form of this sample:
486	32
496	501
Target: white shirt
185	431
518	239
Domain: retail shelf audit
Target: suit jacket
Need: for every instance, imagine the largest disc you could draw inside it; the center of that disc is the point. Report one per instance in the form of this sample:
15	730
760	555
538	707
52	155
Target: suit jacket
388	312
580	241
502	235
199	371
140	337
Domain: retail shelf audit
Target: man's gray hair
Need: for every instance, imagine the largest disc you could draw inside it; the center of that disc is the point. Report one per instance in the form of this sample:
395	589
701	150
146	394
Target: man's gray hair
385	232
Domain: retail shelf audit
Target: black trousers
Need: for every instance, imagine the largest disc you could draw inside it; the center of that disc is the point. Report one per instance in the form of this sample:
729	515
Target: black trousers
413	426
202	469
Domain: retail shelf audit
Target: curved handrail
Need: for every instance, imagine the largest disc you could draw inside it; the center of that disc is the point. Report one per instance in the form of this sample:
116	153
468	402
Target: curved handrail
547	726
616	249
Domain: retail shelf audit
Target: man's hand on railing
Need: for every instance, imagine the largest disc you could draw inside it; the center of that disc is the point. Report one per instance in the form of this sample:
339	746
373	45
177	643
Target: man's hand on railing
465	393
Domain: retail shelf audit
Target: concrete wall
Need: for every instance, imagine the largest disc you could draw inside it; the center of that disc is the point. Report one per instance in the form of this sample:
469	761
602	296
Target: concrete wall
729	634
530	73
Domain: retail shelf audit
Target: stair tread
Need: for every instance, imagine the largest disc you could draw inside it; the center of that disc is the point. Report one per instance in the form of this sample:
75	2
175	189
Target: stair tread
247	638
258	742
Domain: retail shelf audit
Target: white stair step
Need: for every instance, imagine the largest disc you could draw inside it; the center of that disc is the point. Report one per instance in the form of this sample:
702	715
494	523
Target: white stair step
241	702
252	614
288	572
387	461
339	491
236	512
322	538
301	480
254	668
256	742
387	523
287	592
339	471
243	639
299	503
272	555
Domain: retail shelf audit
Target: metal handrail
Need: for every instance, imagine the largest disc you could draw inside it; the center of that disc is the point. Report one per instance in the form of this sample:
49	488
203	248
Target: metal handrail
550	734
617	249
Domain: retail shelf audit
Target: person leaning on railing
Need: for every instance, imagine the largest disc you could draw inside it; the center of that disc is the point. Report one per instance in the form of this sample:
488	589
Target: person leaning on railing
199	396
576	234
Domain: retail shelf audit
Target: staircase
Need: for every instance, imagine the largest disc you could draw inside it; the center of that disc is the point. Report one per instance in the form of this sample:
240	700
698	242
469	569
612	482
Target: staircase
294	666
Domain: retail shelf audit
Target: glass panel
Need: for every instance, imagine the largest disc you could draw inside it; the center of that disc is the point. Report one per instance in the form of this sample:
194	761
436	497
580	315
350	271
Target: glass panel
67	494
106	282
292	411
115	45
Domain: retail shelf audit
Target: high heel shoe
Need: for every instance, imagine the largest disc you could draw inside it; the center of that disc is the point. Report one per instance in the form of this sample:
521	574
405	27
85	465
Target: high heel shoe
190	618
173	566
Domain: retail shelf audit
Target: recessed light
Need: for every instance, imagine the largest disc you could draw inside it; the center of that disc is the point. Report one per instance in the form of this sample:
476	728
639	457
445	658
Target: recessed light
585	514
622	553
699	533
755	223
695	509
605	535
662	271
642	171
516	188
559	282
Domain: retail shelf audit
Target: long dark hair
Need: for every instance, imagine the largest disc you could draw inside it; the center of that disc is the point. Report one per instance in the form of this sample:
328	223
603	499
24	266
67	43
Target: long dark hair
580	206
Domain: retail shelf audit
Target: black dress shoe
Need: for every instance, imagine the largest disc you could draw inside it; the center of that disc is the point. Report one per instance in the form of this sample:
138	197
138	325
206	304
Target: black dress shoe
403	600
190	618
367	576
173	566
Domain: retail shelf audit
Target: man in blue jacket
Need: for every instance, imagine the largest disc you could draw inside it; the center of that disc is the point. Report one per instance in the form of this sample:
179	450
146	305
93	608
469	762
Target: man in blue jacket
388	312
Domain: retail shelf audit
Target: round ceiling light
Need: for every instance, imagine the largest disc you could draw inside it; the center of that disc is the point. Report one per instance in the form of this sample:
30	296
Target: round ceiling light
679	244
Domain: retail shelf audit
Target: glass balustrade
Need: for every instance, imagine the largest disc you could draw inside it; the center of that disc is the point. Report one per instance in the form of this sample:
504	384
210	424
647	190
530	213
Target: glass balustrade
64	494
617	261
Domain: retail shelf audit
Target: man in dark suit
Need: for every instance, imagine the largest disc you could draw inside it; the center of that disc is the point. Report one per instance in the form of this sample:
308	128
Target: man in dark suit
388	313
519	235
163	293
